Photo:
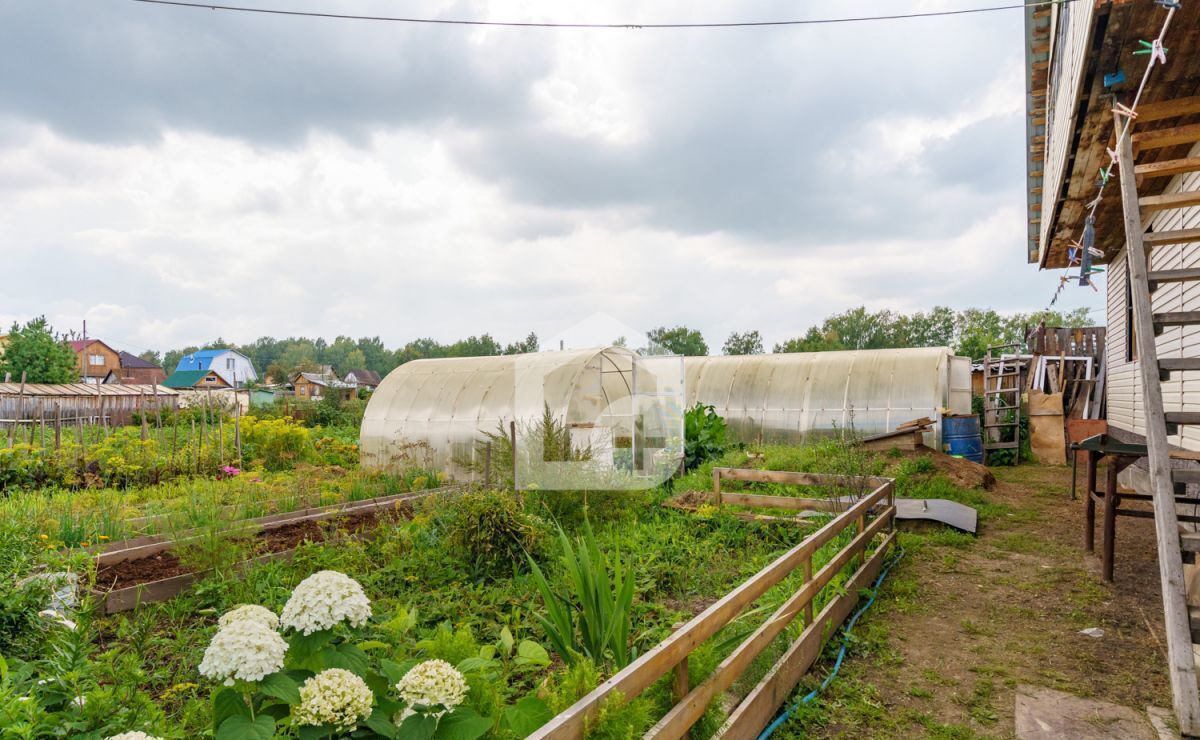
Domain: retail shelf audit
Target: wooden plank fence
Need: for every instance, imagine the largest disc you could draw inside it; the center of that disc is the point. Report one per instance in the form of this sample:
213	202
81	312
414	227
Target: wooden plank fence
870	516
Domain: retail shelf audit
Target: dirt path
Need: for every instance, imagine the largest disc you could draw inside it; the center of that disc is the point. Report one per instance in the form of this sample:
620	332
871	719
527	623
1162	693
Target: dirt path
962	622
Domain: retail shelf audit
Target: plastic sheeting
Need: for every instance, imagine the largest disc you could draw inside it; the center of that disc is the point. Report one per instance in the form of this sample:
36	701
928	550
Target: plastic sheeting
784	398
627	409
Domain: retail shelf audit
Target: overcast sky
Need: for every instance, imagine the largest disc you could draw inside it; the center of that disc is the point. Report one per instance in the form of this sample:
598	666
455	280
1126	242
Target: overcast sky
173	175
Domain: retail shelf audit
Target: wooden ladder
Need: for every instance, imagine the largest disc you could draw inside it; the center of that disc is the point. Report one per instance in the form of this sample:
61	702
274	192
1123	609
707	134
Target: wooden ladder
1152	371
1002	397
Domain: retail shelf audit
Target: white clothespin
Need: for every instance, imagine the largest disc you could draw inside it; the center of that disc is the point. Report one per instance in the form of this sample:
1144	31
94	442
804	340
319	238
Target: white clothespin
1112	155
1157	52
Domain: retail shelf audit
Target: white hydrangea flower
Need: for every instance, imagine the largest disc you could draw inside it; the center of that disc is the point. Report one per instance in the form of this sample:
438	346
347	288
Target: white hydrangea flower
434	683
324	599
334	697
133	735
250	612
246	650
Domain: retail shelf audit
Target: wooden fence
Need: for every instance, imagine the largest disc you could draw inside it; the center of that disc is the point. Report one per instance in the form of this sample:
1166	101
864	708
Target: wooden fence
870	516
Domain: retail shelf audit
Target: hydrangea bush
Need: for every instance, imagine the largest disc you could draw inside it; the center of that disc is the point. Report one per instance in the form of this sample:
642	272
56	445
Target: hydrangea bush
317	683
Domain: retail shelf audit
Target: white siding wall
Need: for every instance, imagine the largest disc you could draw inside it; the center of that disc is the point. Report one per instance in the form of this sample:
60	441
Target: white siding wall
1067	68
1123	386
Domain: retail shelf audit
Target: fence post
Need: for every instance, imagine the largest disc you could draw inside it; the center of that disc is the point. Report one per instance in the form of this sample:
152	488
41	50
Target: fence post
717	487
42	415
512	431
57	424
808	608
679	688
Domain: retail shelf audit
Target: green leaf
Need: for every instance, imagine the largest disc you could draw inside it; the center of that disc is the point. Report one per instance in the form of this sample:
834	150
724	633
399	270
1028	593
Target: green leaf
301	648
393	670
462	724
241	727
228	703
506	640
531	653
418	727
474	664
344	656
373	645
316	732
280	686
528	714
381	723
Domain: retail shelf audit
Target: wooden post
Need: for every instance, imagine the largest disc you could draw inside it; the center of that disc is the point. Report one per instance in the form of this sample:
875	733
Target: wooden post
203	431
487	465
195	449
1110	517
42	415
12	430
1181	662
142	414
237	429
717	487
221	431
808	608
512	432
679	688
82	439
1089	517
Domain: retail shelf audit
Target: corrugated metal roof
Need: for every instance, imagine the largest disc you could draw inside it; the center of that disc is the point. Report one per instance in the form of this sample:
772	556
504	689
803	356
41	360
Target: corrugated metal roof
185	378
82	389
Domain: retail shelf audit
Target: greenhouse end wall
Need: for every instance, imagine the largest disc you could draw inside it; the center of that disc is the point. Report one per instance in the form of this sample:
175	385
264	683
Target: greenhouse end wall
788	397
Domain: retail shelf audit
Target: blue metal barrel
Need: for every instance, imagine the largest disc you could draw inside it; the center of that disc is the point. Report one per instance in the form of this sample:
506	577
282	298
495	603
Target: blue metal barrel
960	436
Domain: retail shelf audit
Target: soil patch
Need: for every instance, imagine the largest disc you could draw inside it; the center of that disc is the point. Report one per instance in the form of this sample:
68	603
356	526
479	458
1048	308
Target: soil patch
962	472
277	539
962	622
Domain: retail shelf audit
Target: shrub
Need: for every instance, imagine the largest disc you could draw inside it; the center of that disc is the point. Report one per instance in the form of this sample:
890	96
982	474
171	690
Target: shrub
278	443
593	617
704	435
491	533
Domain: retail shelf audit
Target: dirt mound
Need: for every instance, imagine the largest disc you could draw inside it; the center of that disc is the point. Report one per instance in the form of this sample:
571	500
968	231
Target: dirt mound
962	472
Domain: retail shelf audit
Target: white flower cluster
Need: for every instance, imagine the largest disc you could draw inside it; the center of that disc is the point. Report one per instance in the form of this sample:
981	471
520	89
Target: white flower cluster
334	697
133	735
324	599
246	650
250	613
432	684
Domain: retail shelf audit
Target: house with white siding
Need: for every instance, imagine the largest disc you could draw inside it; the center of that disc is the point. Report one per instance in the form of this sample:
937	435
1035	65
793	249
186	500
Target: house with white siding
1114	203
234	368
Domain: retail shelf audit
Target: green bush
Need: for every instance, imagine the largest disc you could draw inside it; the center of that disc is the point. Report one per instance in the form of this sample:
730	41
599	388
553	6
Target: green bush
490	532
704	435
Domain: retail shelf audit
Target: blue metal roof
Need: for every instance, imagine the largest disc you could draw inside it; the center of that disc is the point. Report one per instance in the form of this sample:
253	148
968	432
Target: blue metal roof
200	360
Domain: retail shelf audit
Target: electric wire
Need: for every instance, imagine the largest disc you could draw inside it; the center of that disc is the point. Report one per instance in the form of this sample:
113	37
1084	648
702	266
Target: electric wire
628	26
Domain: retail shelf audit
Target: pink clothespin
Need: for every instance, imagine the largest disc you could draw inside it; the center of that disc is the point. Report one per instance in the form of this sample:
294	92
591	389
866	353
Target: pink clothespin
1124	110
1157	52
1112	156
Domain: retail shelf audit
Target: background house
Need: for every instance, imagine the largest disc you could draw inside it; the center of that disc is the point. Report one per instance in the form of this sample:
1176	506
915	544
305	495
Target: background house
234	368
196	379
135	370
314	386
368	379
96	359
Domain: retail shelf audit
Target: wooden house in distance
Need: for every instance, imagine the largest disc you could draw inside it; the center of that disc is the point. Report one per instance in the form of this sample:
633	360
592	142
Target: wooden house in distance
96	359
360	378
315	386
185	379
136	371
1089	131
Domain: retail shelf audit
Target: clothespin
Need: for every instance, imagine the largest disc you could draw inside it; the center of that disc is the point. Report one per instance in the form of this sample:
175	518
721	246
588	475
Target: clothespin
1124	110
1098	254
1104	173
1112	156
1169	4
1095	201
1157	52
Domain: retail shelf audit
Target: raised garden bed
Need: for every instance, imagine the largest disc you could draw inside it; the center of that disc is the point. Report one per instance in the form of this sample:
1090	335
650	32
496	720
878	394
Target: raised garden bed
137	572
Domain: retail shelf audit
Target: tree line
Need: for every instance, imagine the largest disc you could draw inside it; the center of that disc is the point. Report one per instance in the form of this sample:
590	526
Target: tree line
44	355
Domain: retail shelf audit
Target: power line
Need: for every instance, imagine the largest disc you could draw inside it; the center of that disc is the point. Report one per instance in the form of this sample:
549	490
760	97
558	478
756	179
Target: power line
631	26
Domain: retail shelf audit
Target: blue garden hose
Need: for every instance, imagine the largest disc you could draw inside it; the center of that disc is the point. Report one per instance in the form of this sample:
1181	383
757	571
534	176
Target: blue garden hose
766	733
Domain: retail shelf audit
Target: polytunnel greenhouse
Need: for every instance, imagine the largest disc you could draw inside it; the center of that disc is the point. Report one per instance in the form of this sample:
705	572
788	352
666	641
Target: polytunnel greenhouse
785	398
622	415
